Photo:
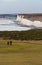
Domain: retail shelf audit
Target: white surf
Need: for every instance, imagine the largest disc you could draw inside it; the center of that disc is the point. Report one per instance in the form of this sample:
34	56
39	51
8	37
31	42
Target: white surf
10	25
27	22
5	21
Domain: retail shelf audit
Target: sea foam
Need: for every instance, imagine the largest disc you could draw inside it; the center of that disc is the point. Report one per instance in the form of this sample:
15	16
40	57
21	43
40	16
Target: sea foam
27	22
5	21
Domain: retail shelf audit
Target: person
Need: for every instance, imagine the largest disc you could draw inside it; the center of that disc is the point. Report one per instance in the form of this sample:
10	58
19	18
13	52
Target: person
10	42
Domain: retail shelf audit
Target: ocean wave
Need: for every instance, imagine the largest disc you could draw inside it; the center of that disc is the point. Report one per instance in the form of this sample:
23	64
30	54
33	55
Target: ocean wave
29	23
5	21
18	24
11	25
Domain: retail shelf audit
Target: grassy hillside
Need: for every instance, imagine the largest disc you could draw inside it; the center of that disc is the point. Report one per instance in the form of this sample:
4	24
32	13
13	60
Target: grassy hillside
21	53
22	35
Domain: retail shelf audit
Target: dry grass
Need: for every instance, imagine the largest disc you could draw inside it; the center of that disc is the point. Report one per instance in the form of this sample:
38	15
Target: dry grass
21	53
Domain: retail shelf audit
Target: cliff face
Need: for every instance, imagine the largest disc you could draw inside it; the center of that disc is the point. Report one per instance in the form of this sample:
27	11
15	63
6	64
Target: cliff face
32	17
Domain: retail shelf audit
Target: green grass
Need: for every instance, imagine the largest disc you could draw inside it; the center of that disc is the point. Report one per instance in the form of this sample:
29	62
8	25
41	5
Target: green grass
21	53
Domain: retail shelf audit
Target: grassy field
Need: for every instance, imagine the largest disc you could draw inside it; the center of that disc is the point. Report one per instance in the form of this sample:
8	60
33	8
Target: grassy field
21	53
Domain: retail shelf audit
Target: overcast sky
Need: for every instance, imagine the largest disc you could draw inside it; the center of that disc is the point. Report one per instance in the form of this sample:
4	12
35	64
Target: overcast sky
20	6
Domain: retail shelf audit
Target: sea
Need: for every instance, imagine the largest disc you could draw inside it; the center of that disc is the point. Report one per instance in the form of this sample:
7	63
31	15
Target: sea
8	23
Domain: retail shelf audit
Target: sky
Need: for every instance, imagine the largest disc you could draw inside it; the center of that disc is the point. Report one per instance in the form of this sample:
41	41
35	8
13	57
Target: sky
20	6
